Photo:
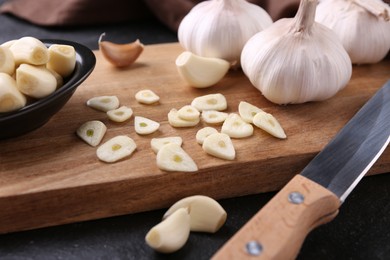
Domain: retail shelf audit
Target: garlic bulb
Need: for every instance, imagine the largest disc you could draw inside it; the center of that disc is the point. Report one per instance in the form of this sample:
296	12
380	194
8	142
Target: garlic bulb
362	25
297	60
220	28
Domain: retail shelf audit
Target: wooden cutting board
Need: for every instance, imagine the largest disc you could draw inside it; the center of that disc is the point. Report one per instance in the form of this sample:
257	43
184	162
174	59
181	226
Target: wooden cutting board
50	177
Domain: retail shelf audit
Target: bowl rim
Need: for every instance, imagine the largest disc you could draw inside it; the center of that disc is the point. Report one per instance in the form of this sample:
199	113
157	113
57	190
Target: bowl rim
85	64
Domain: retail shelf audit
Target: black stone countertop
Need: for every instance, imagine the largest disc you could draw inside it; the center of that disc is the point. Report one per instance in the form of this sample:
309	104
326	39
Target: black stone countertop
360	231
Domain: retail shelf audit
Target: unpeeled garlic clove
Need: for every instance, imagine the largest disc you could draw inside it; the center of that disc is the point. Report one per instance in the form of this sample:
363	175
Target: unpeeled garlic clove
171	234
201	72
206	214
120	55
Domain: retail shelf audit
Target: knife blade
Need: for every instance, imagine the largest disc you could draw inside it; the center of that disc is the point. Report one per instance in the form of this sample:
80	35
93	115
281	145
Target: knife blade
313	197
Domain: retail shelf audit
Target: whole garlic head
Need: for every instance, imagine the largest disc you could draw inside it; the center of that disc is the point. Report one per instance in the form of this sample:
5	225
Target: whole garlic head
297	60
362	25
220	28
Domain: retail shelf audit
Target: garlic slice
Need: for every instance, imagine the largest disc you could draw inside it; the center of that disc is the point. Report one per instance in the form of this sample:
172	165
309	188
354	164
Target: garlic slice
203	133
29	50
120	55
268	123
201	72
219	145
171	157
116	149
175	121
188	113
120	114
171	234
7	63
11	98
248	111
235	127
157	143
146	96
92	132
206	214
210	102
62	59
214	117
104	103
35	81
145	126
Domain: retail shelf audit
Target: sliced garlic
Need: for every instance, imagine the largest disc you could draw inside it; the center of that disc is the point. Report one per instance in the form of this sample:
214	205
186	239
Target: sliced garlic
11	98
120	55
116	149
175	121
171	157
120	114
219	145
29	50
62	59
206	214
188	113
7	62
92	132
145	126
210	102
268	123
146	96
35	81
203	133
201	72
171	234
248	111
235	127
104	103
157	143
214	117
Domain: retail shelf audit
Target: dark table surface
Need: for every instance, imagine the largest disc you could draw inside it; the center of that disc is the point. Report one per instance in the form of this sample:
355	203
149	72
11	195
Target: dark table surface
360	231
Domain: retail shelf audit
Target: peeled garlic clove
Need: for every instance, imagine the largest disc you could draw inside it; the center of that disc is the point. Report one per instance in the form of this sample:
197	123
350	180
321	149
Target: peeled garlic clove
104	103
157	143
363	27
201	72
35	81
268	123
297	60
29	50
171	157
92	132
188	113
206	214
203	133
203	31
62	59
247	111
116	149
120	114
175	121
145	126
11	98
120	55
210	102
214	117
171	234
146	96
7	63
235	127
219	145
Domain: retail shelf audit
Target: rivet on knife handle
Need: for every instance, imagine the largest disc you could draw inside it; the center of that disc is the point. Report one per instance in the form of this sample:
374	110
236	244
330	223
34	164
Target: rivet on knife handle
279	229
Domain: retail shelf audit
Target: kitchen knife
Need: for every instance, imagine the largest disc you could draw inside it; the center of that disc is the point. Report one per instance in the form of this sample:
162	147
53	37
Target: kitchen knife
314	196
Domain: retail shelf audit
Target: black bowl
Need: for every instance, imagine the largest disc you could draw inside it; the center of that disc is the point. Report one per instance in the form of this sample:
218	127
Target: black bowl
37	113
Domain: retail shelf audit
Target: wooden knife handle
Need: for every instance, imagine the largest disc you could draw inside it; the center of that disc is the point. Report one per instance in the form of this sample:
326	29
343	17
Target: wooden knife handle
278	230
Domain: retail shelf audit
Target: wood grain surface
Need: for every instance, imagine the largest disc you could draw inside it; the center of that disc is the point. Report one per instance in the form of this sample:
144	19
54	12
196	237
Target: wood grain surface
50	177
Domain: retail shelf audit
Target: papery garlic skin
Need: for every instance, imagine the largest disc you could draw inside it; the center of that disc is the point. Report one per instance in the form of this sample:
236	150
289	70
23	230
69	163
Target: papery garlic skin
364	34
296	60
220	28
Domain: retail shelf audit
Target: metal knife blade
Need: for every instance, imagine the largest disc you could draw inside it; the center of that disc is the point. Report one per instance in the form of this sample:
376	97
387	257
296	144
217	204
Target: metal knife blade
313	197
